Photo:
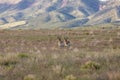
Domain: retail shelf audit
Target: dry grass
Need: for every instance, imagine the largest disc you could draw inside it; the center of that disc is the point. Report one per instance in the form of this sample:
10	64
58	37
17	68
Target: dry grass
34	55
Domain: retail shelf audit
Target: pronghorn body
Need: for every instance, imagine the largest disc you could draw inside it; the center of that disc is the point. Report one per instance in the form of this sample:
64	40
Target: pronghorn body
63	43
67	42
60	42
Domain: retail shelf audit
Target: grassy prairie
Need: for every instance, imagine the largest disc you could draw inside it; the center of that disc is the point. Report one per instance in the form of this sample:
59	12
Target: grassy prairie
35	55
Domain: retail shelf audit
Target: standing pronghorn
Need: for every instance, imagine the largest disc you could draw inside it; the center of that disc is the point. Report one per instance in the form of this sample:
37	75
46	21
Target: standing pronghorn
60	42
67	42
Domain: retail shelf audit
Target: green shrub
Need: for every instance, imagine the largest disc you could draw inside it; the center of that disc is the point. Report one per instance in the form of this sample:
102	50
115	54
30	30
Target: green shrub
30	77
91	65
70	77
23	55
8	60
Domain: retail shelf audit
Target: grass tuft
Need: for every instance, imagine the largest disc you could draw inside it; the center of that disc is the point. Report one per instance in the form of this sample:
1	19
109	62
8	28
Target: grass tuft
23	55
30	77
9	60
70	77
91	65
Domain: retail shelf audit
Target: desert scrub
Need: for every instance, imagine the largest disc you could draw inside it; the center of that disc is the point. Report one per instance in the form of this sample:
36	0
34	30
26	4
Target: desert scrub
9	60
70	77
58	69
91	65
114	75
30	77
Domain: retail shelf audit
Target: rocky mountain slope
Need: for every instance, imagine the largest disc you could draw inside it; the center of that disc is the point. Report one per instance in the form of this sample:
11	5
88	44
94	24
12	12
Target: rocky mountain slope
56	13
108	13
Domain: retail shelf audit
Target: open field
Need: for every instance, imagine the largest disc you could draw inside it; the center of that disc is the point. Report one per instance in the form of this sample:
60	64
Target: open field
35	55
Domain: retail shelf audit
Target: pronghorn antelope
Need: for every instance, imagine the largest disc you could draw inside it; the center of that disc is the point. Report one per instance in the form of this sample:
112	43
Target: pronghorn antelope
67	42
60	42
63	43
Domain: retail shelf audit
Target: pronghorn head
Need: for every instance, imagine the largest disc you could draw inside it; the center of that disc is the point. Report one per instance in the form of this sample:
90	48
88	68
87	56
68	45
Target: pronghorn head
66	38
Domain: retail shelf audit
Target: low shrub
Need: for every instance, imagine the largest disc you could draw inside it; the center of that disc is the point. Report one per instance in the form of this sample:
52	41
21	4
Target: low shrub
8	60
91	65
30	77
70	77
23	55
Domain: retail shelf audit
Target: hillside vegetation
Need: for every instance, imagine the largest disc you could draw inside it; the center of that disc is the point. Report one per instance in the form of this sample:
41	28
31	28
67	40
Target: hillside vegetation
61	13
49	12
13	24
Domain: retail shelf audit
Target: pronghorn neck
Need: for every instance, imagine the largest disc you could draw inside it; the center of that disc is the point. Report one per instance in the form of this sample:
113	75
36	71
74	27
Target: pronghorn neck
66	40
60	40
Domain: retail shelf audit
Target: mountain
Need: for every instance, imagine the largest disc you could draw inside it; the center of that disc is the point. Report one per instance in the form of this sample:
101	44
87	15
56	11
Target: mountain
36	14
109	13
